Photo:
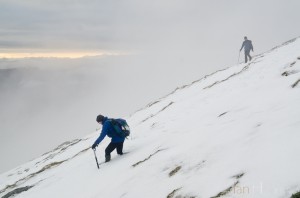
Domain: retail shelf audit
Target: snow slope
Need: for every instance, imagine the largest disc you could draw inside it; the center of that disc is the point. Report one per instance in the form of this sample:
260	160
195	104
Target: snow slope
234	133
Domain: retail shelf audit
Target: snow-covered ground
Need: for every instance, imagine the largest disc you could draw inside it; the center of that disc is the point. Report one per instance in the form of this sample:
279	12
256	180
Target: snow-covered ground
234	133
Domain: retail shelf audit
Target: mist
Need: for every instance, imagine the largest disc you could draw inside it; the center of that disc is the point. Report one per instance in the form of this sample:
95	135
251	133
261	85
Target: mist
161	44
45	102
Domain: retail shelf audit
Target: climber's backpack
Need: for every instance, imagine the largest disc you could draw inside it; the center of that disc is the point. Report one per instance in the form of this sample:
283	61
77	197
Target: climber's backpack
120	127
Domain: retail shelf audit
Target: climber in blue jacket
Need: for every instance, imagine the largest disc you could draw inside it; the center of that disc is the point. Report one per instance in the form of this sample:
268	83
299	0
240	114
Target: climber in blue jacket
107	130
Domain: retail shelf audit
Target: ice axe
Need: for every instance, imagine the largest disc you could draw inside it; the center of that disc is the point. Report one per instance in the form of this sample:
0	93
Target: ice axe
96	157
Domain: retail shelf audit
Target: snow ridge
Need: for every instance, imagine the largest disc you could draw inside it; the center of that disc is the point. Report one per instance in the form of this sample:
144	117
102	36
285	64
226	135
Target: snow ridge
233	133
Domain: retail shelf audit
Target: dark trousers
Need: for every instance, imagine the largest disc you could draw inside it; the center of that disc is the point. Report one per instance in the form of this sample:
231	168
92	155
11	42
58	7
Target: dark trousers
112	146
247	54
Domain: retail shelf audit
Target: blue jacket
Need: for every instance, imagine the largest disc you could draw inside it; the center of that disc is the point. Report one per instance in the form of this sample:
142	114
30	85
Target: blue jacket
107	127
247	45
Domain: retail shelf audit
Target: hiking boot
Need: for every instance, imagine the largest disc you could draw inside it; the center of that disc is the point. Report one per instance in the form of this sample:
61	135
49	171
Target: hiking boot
107	158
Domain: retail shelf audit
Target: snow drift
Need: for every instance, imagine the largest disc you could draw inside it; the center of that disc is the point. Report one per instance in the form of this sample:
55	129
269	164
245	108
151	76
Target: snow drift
233	133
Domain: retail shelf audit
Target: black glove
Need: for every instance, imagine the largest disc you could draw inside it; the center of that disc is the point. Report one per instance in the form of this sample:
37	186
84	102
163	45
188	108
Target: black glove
94	146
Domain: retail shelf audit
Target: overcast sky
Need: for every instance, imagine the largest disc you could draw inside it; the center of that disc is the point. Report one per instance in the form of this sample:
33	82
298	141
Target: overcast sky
151	48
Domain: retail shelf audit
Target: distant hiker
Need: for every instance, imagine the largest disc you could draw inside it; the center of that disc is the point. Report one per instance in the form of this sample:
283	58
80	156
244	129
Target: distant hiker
247	45
117	130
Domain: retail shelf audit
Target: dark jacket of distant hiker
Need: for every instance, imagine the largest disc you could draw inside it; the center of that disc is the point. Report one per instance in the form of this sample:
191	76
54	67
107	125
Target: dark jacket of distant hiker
247	45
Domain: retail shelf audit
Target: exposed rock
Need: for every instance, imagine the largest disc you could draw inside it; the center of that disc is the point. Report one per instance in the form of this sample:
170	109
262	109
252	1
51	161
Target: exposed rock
171	195
17	191
136	164
226	191
152	115
222	114
238	176
287	73
296	83
174	171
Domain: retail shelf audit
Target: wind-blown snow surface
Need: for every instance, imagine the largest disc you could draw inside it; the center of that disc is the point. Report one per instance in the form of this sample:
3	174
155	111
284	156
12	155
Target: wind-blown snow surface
234	133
